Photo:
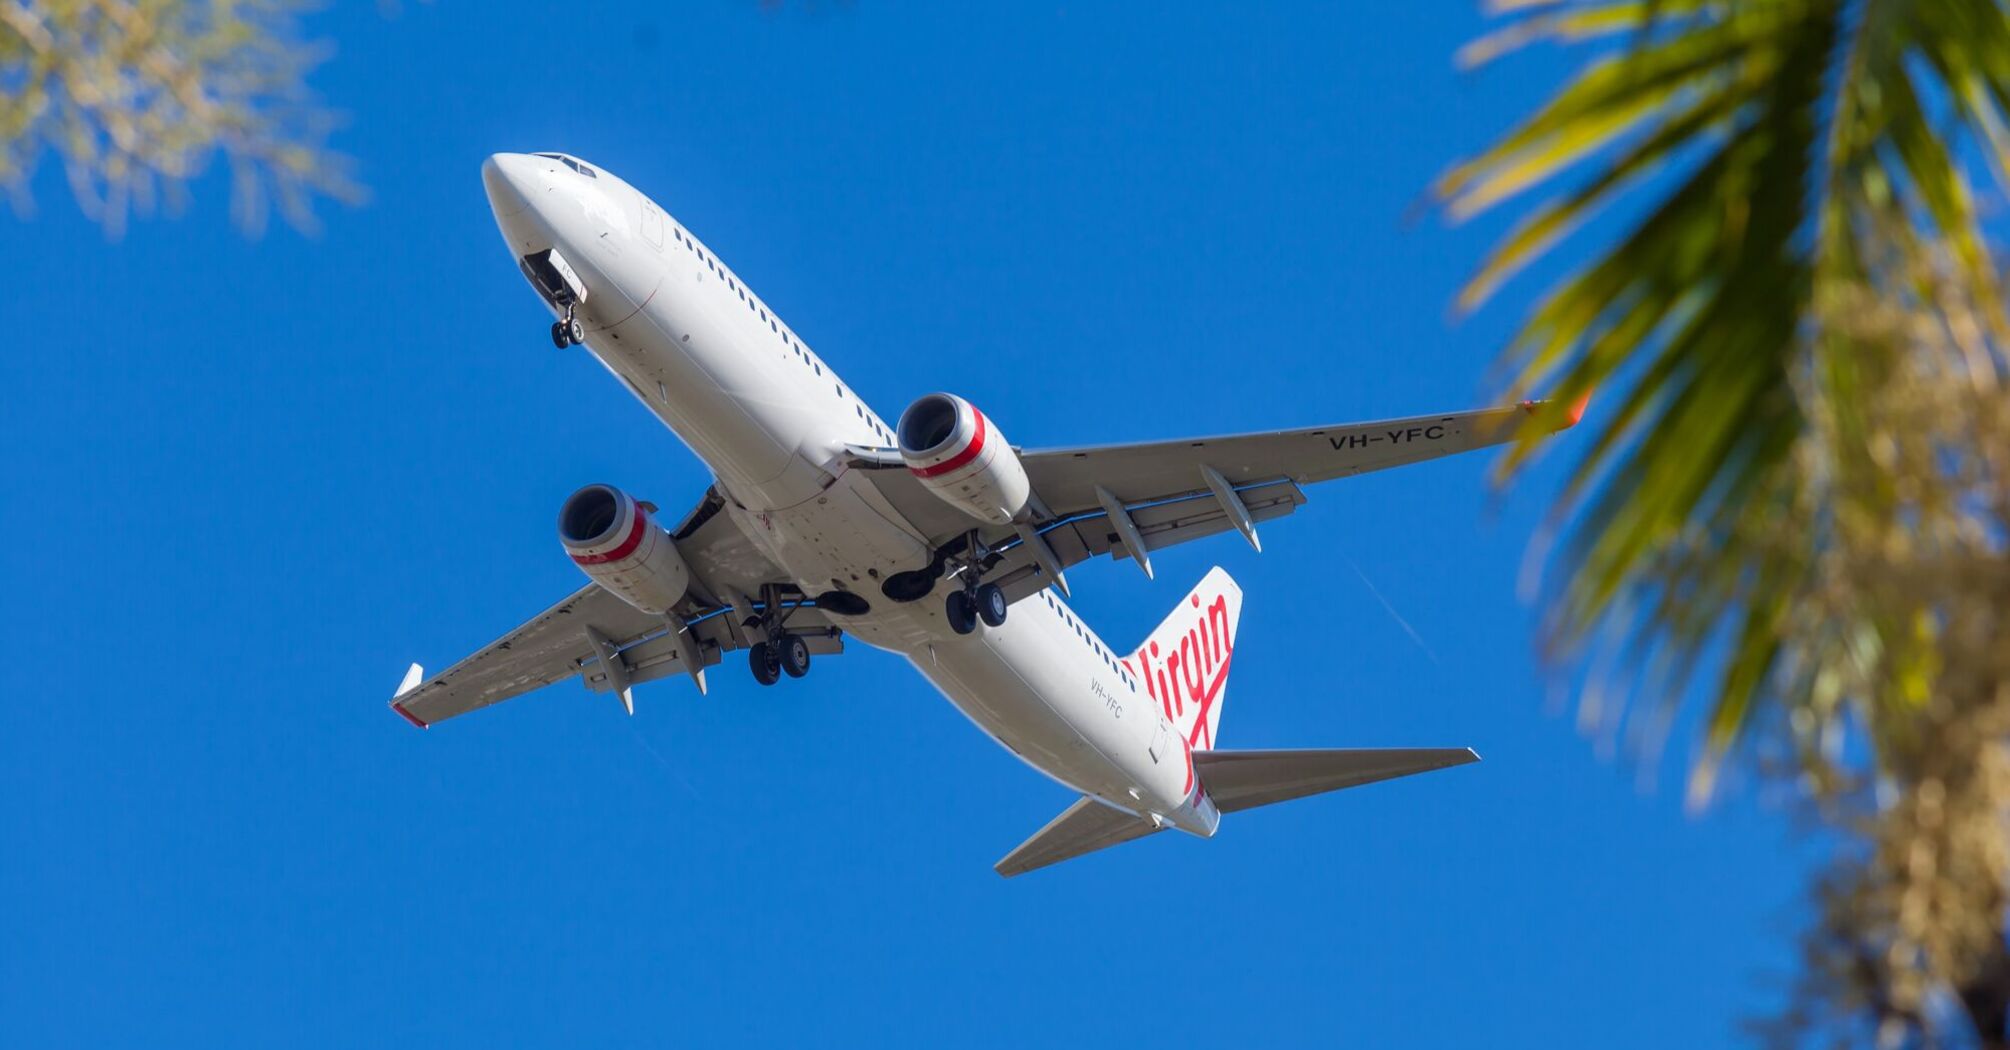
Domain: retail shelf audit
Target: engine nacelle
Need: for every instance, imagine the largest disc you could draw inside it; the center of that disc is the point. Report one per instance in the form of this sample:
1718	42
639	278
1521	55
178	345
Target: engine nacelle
962	458
611	537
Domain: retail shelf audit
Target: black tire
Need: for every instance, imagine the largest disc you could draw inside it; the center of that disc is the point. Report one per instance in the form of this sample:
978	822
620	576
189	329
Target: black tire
991	605
962	614
767	667
795	656
575	331
559	336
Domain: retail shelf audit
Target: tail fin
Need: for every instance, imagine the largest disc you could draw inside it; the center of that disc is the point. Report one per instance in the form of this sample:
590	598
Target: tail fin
1184	663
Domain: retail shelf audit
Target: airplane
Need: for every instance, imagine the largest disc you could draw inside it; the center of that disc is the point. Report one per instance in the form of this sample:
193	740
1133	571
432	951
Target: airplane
932	537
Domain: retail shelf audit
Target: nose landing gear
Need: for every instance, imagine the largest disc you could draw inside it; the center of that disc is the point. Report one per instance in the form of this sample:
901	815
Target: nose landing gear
560	286
568	331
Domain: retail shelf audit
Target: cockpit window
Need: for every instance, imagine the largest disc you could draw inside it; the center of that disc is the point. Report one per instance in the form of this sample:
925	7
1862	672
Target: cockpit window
570	163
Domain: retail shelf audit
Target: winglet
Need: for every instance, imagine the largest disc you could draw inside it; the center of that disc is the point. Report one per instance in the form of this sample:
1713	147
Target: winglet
413	676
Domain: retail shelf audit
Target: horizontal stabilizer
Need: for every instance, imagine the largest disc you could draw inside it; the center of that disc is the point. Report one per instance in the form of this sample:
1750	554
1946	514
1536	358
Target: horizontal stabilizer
1239	780
1084	827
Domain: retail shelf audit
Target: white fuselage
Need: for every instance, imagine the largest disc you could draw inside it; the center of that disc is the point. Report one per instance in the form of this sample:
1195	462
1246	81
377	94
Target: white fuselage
772	421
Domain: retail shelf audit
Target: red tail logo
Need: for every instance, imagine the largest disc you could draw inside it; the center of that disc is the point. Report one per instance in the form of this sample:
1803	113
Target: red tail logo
1184	664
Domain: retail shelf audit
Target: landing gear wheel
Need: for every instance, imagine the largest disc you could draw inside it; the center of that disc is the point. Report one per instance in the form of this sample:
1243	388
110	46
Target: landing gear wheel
767	665
991	606
561	337
574	330
962	612
795	656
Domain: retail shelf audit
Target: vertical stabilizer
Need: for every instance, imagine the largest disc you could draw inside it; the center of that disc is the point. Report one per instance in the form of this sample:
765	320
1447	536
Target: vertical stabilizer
1184	663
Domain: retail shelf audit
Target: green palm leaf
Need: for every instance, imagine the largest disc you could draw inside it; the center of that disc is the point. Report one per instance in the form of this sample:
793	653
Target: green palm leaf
1780	139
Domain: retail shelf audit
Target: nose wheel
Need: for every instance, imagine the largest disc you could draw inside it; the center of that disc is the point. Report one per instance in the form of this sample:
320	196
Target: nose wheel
567	331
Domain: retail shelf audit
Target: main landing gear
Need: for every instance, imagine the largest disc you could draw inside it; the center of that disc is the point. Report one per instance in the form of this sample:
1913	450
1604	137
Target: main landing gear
567	331
974	601
770	660
781	652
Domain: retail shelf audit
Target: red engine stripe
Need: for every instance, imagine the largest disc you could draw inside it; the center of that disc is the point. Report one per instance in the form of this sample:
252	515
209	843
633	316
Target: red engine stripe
626	548
960	459
409	716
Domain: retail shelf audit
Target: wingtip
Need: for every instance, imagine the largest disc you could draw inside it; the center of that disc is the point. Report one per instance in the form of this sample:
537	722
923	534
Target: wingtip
1572	413
399	706
413	676
1577	408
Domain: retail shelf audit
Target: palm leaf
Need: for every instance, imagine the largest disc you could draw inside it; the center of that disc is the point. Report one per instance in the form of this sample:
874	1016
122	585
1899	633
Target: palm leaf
1775	141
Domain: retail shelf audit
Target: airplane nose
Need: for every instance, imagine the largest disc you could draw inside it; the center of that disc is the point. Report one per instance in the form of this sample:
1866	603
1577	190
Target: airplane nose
510	179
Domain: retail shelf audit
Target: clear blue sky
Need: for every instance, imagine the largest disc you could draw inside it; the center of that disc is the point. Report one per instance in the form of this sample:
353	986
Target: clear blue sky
248	481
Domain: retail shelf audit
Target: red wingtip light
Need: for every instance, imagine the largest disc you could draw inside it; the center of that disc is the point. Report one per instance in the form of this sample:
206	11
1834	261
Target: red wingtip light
1577	408
407	715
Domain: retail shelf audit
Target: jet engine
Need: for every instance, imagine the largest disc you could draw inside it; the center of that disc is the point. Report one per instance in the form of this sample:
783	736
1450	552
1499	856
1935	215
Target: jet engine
611	537
961	457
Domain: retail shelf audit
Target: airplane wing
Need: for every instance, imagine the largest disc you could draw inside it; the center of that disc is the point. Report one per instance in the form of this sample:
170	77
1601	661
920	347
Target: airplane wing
1129	500
610	644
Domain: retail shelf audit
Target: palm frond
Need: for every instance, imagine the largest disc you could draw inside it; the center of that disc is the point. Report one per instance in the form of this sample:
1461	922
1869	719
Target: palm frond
1772	140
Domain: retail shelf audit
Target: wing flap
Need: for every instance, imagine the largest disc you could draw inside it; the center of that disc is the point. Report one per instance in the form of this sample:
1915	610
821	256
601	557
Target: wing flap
1165	486
1164	524
1066	478
542	651
661	655
1084	827
558	643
